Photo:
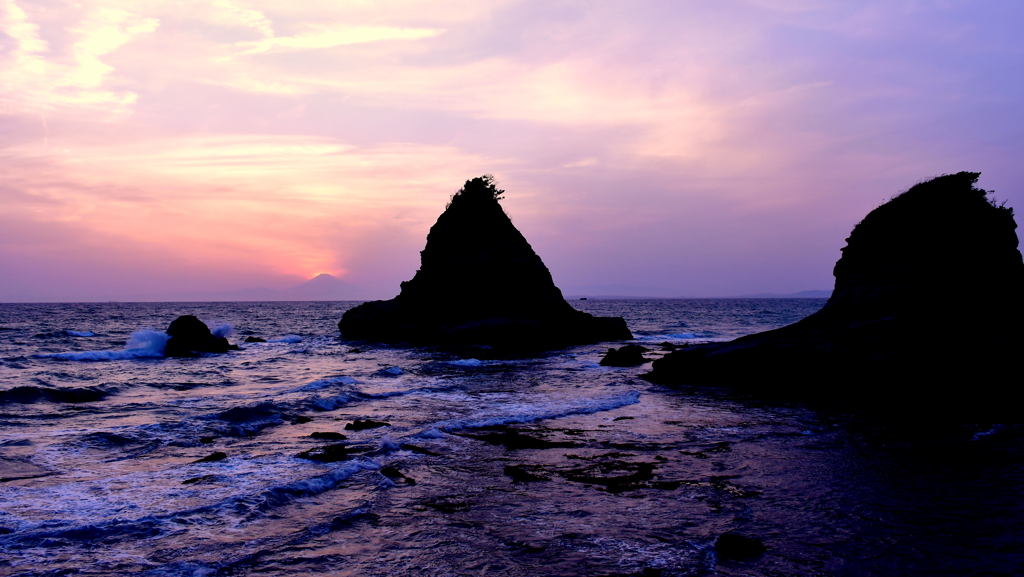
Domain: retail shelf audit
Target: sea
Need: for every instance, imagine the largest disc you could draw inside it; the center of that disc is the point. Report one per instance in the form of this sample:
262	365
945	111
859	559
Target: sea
308	454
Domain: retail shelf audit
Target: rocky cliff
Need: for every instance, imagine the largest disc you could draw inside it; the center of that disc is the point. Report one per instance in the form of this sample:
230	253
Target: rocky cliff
479	282
928	293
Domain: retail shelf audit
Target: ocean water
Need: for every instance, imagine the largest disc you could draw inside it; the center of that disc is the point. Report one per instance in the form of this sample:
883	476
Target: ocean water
117	461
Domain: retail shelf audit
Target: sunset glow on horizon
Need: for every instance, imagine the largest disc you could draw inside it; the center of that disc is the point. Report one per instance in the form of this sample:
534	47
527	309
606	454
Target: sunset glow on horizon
156	150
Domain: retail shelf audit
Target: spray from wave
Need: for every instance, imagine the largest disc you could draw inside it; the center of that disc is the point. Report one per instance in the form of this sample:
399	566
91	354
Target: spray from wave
224	330
143	344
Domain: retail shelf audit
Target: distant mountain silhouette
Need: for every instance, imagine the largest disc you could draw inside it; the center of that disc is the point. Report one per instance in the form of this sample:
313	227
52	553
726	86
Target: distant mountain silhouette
479	283
814	294
323	287
620	291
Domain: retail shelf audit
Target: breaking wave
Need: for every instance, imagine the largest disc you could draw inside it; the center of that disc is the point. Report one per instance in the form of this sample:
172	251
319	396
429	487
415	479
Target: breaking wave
526	413
143	344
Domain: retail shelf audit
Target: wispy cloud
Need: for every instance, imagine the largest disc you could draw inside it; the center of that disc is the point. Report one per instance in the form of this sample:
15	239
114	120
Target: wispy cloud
33	78
231	197
700	142
336	37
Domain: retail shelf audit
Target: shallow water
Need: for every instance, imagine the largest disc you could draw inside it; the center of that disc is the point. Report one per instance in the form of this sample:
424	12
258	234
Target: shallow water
547	466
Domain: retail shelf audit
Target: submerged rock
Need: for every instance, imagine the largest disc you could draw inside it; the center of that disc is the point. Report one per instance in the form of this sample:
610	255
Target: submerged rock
190	336
362	425
394	474
737	547
927	293
627	356
330	453
30	394
212	458
329	435
514	440
480	283
521	475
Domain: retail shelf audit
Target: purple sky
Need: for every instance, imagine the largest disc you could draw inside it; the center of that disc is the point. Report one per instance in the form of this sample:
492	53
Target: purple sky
151	150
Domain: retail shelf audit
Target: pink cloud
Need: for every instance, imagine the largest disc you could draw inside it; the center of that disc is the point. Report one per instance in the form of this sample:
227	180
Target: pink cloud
702	148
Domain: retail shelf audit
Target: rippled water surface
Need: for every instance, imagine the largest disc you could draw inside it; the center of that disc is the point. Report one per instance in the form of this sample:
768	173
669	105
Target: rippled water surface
118	462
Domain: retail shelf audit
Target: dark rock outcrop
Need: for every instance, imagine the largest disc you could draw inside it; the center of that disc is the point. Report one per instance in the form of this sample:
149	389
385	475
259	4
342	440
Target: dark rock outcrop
479	283
190	336
734	546
928	294
626	356
213	458
358	425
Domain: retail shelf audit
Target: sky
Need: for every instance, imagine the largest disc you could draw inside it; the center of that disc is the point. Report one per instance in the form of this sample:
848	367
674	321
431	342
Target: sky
154	150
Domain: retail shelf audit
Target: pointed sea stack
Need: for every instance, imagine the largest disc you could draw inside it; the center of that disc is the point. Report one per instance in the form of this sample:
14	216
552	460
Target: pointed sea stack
927	309
479	283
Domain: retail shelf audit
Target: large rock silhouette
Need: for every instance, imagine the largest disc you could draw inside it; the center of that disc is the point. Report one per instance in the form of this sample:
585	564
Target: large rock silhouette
479	283
928	293
190	336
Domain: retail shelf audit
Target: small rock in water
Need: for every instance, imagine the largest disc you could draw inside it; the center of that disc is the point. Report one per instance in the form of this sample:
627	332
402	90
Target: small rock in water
299	420
627	356
513	440
359	425
636	475
448	505
737	547
195	480
255	340
218	456
330	435
207	440
328	454
393	473
417	449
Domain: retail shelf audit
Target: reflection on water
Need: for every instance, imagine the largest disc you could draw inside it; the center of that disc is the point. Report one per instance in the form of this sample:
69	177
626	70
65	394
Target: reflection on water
549	466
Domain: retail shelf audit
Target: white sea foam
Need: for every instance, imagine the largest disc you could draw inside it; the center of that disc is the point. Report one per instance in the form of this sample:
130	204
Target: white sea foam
147	497
80	333
143	344
389	372
223	330
466	362
387	443
431	433
330	403
527	412
287	339
326	383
